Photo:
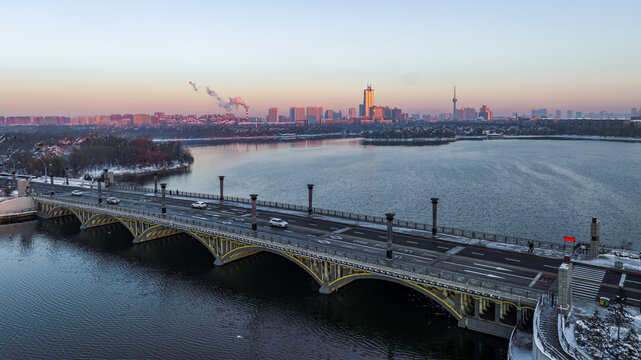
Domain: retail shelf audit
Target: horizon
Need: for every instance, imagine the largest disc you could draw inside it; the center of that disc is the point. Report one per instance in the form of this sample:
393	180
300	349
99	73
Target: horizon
83	59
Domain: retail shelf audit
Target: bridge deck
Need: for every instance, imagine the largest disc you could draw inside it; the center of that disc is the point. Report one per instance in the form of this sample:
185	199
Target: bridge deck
411	248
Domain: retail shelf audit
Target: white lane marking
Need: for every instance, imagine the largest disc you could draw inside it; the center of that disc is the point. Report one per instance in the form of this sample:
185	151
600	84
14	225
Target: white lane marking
200	217
488	275
515	260
310	235
292	221
289	231
312	224
518	276
493	267
333	228
475	253
359	233
632	281
412	242
443	247
550	266
362	242
535	279
622	280
382	237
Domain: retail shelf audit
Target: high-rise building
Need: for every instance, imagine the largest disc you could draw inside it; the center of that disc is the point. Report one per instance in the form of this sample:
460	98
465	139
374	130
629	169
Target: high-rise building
272	115
352	112
486	113
296	114
633	111
570	114
329	114
368	101
466	114
540	113
579	114
314	114
454	100
558	114
377	113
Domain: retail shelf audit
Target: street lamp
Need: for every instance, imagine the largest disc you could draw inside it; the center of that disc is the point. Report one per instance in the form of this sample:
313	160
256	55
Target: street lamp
43	164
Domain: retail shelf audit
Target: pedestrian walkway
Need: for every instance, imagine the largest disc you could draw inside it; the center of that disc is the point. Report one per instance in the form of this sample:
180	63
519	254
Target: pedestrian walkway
586	289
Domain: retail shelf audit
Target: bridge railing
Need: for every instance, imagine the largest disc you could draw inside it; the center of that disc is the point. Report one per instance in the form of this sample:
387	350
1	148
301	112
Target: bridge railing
361	217
372	263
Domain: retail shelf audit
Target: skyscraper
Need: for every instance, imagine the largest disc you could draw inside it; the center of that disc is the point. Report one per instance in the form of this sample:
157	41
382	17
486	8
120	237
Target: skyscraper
368	101
486	113
454	104
570	114
314	114
579	114
272	115
558	114
633	111
352	112
296	114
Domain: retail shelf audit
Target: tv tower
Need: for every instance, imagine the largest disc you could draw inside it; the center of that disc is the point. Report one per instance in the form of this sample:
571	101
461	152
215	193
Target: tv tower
454	104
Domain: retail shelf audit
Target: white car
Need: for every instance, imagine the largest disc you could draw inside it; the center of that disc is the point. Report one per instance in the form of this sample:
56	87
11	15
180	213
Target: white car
278	222
76	193
112	200
199	205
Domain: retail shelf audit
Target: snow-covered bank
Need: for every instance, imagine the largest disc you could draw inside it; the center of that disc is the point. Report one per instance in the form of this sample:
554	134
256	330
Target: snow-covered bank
133	171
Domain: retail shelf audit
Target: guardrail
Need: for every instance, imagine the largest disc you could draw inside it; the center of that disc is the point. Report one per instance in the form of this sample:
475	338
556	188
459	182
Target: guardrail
374	264
358	217
567	345
547	347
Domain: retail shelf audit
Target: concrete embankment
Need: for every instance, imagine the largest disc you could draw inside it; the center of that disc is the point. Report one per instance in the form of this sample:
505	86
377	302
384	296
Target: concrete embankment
15	209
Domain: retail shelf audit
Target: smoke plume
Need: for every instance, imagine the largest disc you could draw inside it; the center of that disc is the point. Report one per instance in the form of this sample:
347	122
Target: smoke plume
236	102
194	86
220	101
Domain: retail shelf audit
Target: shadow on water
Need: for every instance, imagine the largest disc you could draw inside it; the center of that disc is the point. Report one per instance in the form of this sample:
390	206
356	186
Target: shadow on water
365	319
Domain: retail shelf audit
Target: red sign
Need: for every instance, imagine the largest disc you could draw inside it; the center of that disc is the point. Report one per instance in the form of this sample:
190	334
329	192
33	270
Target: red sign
568	238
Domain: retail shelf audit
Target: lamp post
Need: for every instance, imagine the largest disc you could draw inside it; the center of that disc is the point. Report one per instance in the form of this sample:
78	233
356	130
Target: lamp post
43	164
254	224
222	179
163	188
99	191
66	175
434	204
310	188
155	183
51	177
390	219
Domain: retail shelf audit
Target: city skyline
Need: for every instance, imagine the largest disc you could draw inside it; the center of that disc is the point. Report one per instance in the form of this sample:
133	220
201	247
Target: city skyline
512	57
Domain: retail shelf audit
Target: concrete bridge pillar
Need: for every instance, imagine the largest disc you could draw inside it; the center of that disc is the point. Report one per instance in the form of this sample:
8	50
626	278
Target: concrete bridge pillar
477	305
497	313
163	188
254	223
310	188
434	204
221	178
99	191
564	290
595	233
390	220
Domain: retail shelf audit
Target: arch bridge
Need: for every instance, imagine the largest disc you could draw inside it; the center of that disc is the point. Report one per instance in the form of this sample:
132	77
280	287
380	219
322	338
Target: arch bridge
477	305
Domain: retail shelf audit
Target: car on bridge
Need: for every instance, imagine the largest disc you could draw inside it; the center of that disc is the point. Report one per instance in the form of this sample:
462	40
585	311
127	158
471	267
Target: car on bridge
112	200
199	205
278	222
76	193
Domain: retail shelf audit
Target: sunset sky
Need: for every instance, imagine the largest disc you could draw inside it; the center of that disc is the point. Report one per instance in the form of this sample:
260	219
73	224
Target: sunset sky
102	57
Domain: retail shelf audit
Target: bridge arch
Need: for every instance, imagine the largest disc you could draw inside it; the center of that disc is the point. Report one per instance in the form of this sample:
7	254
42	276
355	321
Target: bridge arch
247	250
430	292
